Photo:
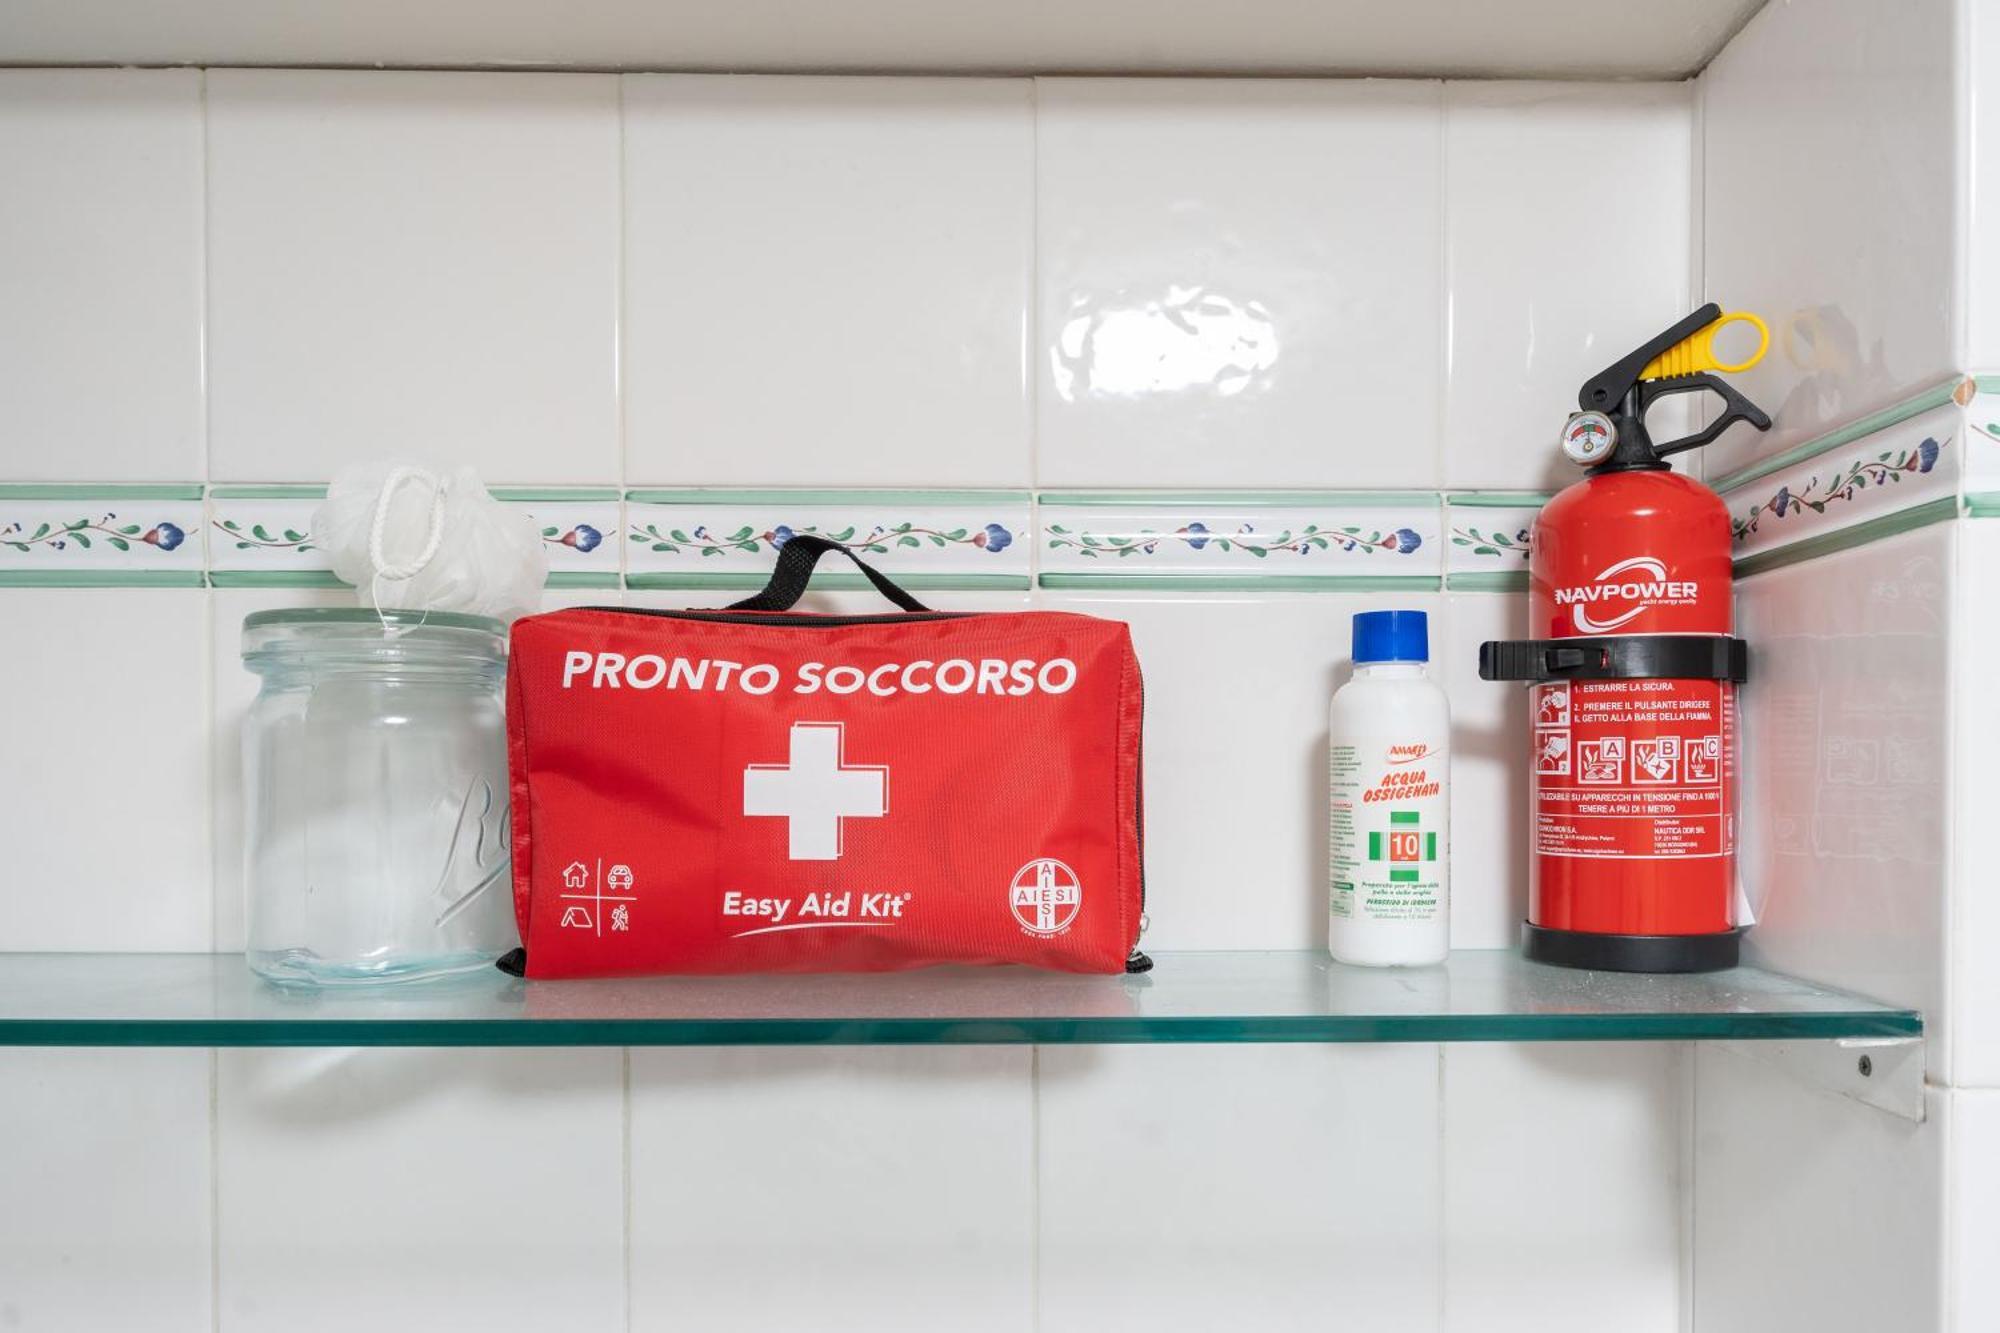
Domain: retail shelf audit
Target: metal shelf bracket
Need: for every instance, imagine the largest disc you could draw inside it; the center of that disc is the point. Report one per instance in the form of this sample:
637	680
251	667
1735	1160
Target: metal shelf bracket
1886	1073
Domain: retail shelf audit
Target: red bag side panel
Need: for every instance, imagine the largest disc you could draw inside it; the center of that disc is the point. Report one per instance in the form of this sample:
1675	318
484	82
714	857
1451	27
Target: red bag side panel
696	796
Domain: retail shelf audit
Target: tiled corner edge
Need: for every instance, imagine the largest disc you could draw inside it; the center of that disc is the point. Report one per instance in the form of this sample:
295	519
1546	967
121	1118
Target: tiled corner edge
1870	486
1272	539
101	535
1982	449
925	539
262	535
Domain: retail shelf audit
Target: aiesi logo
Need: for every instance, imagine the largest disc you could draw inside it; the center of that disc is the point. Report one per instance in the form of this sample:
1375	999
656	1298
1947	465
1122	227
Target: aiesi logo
1622	591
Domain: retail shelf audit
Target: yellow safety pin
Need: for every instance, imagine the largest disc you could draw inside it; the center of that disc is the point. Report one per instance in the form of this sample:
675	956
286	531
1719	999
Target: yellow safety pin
1696	352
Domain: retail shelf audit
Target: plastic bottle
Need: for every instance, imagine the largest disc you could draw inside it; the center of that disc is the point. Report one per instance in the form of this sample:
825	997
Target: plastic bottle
1389	762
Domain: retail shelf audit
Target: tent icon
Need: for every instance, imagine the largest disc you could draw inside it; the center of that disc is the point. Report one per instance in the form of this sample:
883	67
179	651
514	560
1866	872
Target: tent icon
576	916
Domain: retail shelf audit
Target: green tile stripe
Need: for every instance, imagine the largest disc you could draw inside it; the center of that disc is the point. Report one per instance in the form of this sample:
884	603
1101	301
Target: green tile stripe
826	497
1223	499
1499	499
1374	845
1248	582
275	578
101	578
1399	876
322	578
1936	396
1403	817
35	490
267	492
832	581
1514	580
1983	504
553	494
1871	530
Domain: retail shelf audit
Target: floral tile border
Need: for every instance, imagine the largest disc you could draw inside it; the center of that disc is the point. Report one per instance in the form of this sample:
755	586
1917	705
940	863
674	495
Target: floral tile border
1982	448
1851	488
1129	536
688	539
1487	538
263	534
59	534
265	529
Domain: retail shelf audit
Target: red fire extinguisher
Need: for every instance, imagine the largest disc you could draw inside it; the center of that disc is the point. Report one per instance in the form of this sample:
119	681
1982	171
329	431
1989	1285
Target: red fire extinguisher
1633	677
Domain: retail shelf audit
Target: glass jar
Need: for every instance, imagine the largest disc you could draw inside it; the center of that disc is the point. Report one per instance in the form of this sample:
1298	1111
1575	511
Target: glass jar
375	795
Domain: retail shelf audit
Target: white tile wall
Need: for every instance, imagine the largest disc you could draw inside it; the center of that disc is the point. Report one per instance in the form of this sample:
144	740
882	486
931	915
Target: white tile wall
1974	999
104	759
1812	1212
1973	1210
880	1188
413	264
1237	687
1489	795
1206	1187
1831	149
1557	261
105	1181
922	283
827	280
442	1189
1845	744
100	275
1562	1188
1238	282
1979	45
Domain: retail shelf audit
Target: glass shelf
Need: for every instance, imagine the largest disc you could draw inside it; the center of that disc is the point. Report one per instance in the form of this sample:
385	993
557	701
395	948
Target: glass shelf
213	1000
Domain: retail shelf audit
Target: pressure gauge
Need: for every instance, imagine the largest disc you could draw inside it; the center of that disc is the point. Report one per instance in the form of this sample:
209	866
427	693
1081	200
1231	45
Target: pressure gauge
1588	438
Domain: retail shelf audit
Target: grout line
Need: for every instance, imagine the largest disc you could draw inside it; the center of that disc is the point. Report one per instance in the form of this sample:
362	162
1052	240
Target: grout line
1035	1186
1690	1102
618	316
215	1190
1441	449
210	717
625	1173
1443	1199
1031	315
207	308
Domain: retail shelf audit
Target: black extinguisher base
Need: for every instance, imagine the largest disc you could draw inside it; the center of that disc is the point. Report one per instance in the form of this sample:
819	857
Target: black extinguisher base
1632	953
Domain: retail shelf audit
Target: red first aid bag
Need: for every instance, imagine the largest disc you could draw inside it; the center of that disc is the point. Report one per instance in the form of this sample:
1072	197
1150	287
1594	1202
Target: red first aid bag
760	790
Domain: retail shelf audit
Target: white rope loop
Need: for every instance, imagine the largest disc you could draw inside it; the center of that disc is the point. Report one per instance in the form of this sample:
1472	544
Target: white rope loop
377	535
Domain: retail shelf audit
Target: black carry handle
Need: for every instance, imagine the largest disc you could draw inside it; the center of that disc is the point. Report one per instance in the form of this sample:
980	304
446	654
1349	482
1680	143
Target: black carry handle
796	559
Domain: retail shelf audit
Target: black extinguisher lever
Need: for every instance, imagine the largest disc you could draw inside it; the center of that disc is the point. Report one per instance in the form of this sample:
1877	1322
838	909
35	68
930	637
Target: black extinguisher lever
1609	432
1735	408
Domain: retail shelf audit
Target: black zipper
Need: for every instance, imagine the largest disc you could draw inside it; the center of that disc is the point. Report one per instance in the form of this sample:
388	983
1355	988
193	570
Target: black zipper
1137	961
787	619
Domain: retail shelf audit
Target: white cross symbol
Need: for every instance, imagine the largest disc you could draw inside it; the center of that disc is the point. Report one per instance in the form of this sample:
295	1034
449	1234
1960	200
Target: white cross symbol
815	791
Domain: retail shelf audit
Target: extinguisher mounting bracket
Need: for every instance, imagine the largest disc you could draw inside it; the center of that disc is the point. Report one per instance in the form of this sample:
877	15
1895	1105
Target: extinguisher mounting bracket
1618	657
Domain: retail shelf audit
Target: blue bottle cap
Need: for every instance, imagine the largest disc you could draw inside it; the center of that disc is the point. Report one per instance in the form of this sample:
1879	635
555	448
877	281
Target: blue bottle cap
1391	636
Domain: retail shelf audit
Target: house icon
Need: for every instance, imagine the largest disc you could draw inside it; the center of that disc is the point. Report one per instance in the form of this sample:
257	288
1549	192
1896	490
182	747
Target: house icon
575	875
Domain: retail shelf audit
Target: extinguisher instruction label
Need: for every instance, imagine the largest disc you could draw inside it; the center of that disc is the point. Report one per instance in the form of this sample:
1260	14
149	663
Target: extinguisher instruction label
1633	768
